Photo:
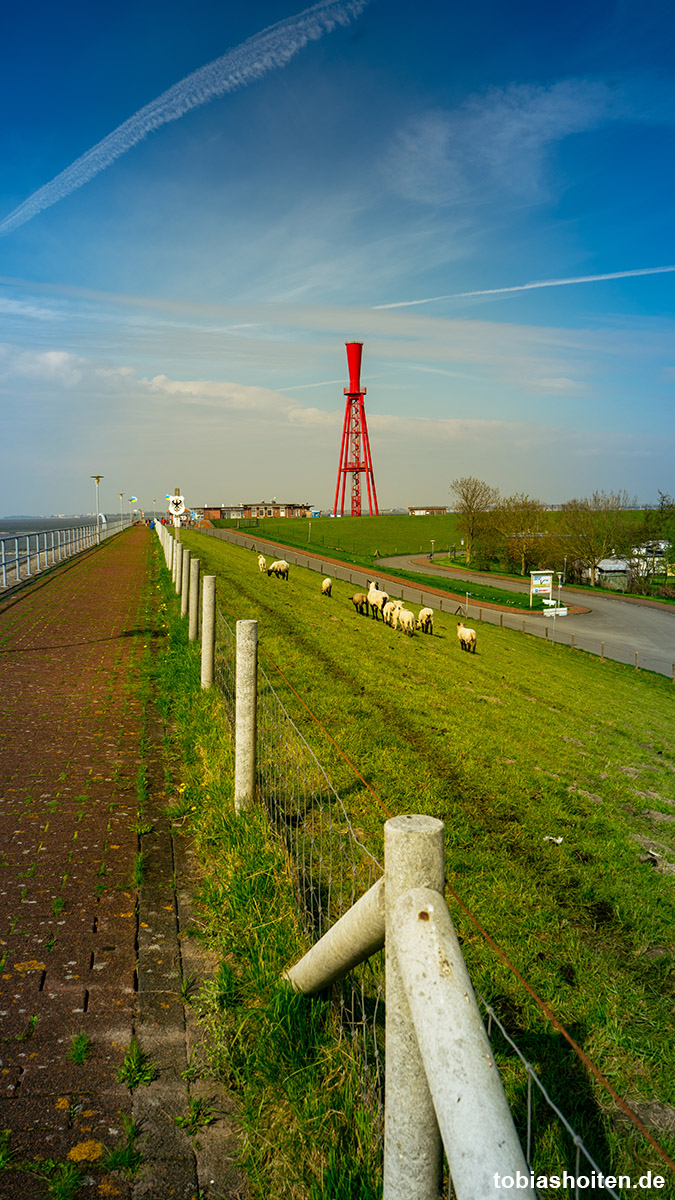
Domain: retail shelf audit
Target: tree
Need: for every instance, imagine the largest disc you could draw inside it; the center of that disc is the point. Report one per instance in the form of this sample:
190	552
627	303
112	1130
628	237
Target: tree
520	520
596	527
475	498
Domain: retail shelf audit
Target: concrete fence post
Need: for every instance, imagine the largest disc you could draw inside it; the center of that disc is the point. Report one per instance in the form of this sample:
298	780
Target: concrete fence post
171	562
479	1136
208	629
413	857
602	650
193	606
185	582
179	567
246	688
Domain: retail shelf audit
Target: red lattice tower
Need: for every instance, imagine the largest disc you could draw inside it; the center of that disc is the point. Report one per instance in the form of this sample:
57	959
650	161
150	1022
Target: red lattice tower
355	456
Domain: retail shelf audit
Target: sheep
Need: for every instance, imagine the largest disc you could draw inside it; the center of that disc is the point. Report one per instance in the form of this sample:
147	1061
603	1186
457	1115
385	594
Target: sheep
376	599
467	638
390	612
360	602
406	621
278	568
326	586
425	620
262	562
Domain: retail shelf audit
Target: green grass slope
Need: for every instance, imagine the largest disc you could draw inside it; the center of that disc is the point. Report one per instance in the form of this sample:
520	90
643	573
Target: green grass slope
519	743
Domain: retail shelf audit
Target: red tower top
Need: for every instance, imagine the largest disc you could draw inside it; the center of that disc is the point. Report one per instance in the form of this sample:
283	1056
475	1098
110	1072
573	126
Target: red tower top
354	352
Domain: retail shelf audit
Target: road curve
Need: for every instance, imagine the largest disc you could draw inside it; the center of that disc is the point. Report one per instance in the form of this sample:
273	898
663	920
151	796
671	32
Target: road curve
626	626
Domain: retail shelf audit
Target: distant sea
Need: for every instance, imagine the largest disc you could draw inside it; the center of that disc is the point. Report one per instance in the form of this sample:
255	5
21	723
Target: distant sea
11	526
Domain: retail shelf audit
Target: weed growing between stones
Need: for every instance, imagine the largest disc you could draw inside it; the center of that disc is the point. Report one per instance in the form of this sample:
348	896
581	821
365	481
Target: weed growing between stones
137	1069
80	1048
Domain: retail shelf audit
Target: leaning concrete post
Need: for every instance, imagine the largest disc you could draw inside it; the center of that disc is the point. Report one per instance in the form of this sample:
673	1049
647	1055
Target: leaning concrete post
193	618
179	567
185	583
413	857
208	629
358	934
245	714
478	1131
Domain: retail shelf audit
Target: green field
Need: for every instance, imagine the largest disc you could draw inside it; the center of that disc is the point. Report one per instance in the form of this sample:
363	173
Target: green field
519	743
361	537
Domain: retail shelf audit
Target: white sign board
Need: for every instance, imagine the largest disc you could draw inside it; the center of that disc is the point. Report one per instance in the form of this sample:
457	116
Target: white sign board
541	584
176	506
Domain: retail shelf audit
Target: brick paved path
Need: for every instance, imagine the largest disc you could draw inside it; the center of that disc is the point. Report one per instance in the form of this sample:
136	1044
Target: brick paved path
81	951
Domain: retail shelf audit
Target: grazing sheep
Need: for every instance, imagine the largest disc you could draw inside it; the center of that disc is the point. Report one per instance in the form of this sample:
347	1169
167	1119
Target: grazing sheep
360	602
390	612
376	599
326	587
279	568
467	638
406	621
262	562
425	620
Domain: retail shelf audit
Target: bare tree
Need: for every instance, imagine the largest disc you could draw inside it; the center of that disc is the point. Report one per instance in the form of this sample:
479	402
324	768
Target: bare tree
595	527
475	498
521	522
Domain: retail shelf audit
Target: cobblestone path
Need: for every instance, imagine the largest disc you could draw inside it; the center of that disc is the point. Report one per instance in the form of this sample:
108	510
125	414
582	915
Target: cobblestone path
88	958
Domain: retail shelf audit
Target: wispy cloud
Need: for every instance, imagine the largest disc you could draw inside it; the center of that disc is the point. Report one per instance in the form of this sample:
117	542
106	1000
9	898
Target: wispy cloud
526	287
494	144
268	50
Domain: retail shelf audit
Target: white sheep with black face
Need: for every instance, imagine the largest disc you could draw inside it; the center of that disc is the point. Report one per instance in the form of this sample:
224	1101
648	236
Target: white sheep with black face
376	599
279	568
326	586
425	620
467	638
406	621
390	612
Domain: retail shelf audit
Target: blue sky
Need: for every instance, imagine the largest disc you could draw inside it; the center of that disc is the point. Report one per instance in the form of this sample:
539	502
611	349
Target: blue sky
361	171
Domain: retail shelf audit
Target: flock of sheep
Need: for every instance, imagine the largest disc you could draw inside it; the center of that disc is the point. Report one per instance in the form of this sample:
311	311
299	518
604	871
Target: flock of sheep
377	601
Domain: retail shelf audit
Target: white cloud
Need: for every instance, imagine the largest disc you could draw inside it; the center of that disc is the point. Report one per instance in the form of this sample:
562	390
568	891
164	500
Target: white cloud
495	143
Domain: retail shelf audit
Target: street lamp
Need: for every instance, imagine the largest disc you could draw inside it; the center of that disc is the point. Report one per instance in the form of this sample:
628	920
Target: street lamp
121	510
98	479
433	543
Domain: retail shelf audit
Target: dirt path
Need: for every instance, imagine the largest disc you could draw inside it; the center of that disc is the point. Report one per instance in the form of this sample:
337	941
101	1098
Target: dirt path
91	935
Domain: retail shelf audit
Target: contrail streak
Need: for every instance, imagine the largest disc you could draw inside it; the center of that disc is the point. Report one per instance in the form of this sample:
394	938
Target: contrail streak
265	51
526	287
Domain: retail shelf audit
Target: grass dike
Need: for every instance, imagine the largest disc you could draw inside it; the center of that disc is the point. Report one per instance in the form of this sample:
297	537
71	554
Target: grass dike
554	773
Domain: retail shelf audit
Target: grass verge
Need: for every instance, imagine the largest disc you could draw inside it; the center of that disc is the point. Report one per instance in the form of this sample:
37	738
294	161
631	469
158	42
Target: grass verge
306	1132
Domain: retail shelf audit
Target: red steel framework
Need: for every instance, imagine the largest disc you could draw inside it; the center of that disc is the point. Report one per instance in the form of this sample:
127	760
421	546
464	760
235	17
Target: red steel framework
355	456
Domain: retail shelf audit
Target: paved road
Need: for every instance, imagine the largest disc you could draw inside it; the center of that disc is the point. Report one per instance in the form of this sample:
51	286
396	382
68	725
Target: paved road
625	626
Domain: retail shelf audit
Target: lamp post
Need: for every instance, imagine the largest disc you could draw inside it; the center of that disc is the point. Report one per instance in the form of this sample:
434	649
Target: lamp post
98	479
466	614
121	510
433	543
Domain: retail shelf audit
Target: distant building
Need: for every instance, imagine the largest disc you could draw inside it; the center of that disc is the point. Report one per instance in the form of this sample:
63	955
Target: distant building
264	508
427	510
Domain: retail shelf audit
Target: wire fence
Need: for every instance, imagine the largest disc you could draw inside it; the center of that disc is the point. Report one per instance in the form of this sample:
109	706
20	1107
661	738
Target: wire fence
331	869
642	655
